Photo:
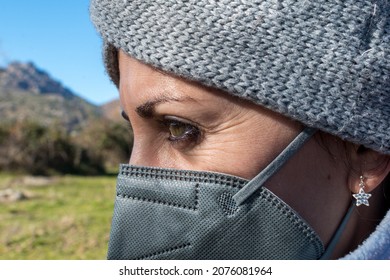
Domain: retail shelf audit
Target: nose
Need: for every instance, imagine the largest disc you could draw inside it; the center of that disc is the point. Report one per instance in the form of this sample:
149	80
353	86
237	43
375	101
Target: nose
139	155
144	154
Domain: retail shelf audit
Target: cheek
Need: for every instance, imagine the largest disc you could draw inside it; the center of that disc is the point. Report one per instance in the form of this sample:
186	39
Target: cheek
231	154
243	150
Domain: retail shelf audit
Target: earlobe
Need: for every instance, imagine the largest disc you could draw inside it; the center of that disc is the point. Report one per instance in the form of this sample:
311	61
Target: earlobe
373	166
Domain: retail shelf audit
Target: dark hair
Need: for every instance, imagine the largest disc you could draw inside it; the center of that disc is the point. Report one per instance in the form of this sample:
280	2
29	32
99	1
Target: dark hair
323	139
112	63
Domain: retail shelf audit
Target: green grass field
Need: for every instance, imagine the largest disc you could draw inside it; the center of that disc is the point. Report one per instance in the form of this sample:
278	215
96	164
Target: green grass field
62	218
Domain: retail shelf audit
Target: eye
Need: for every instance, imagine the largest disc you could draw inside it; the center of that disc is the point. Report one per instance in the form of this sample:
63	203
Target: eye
125	116
128	123
181	131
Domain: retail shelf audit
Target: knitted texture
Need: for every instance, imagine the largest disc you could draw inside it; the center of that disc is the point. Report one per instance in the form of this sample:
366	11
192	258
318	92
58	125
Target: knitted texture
323	63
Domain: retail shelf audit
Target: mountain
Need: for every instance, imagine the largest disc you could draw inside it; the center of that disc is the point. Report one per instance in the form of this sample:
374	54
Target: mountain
29	93
27	77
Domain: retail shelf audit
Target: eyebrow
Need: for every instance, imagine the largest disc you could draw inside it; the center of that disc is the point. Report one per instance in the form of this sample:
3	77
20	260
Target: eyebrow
146	110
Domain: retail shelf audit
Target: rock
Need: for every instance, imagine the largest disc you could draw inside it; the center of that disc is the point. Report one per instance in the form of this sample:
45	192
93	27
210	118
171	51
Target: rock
11	195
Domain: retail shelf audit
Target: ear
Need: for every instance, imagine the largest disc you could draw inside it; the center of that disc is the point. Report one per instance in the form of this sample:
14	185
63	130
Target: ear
373	166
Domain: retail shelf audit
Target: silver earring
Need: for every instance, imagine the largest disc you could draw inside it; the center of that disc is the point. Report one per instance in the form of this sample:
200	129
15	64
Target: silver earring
362	197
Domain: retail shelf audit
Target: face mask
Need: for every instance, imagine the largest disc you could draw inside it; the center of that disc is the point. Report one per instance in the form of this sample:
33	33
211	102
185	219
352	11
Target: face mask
176	214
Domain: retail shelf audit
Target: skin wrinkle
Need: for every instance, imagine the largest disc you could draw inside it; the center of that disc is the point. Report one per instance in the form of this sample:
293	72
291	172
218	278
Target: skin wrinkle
241	138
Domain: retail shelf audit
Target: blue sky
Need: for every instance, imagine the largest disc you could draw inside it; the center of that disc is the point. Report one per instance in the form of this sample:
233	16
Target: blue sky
58	37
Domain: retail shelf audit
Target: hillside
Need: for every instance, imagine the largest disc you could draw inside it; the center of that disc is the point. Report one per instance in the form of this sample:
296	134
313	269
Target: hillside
45	128
112	110
29	93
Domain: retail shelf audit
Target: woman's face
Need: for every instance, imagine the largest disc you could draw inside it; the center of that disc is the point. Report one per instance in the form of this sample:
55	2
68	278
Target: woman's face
180	124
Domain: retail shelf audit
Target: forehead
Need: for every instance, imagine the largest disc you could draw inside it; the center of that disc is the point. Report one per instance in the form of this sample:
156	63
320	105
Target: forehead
142	82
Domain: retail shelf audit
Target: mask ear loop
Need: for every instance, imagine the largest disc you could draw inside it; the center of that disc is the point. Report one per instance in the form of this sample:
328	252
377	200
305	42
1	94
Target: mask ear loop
336	236
257	182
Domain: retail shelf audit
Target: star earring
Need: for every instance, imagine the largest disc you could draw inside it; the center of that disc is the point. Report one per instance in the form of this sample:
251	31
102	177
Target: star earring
362	197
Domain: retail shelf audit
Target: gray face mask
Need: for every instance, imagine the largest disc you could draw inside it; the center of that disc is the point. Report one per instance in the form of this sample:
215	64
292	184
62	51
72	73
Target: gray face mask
177	214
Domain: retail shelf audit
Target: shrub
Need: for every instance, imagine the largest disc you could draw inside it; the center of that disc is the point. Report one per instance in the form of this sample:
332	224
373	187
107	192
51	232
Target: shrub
43	150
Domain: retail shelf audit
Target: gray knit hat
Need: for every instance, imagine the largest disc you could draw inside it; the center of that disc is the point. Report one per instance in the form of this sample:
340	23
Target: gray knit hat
323	63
